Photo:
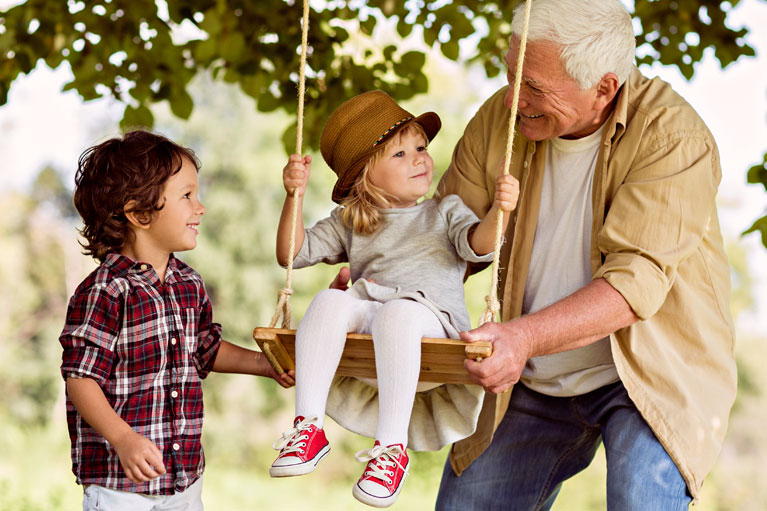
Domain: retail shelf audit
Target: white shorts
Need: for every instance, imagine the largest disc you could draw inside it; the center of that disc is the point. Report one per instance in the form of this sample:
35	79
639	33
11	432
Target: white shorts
99	498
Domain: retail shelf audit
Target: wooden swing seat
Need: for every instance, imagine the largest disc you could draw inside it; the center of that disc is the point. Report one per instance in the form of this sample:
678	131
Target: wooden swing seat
441	359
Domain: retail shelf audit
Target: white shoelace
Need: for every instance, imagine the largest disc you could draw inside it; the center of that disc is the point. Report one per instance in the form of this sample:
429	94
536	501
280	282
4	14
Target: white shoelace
383	460
291	440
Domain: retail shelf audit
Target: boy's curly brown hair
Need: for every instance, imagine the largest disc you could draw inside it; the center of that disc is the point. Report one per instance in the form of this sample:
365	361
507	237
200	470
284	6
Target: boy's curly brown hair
121	171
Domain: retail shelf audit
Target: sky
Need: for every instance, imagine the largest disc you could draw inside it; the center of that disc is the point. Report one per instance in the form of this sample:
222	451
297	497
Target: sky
40	125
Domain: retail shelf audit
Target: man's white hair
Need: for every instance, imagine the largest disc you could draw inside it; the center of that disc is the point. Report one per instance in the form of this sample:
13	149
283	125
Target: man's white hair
596	36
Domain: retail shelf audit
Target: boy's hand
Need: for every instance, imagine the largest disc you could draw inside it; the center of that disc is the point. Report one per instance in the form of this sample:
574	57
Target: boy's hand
296	173
286	380
140	458
506	193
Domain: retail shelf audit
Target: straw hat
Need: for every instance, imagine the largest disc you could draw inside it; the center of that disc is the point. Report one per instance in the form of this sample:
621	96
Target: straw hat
355	130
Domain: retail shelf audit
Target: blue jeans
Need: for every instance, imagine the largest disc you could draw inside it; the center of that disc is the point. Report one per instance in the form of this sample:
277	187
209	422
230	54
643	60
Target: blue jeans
542	441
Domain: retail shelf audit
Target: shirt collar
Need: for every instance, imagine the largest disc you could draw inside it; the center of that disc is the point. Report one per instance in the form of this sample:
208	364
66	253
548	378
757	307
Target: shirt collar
616	125
125	266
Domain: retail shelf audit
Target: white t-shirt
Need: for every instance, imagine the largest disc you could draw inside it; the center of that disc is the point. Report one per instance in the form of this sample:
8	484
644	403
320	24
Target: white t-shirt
560	265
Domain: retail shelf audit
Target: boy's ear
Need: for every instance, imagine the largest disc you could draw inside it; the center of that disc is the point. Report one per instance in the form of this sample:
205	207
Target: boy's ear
138	220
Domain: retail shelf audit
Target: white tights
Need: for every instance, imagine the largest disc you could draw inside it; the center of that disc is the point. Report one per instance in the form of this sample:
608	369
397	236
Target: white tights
397	327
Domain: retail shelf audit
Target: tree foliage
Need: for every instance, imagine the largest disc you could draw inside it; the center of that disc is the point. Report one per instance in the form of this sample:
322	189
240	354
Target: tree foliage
758	175
146	51
142	52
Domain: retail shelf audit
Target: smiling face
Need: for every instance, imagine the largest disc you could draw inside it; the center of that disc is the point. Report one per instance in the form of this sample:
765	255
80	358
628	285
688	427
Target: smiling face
551	103
174	227
404	171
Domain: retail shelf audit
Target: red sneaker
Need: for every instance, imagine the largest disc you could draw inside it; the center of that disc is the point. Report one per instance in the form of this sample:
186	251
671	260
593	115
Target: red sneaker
301	449
382	479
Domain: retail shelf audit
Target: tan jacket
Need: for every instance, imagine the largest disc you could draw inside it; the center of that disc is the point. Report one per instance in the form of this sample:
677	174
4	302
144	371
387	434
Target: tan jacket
655	238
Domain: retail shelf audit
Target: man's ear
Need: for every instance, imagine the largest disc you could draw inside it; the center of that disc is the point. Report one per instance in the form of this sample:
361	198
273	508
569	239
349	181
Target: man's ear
606	89
138	220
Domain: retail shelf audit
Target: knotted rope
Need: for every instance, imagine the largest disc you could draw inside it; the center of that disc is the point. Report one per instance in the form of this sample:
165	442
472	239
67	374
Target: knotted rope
493	306
283	300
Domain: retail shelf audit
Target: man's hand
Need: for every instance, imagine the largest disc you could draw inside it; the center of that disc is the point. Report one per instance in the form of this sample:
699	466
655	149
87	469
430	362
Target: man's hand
511	349
140	458
586	316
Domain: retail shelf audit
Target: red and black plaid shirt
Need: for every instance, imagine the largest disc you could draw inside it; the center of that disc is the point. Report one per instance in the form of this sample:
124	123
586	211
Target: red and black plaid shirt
148	346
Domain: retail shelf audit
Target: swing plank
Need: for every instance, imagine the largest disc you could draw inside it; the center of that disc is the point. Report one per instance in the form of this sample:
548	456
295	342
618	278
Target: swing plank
441	359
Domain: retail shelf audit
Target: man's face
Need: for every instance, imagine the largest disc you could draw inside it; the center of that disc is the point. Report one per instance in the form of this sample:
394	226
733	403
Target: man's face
551	103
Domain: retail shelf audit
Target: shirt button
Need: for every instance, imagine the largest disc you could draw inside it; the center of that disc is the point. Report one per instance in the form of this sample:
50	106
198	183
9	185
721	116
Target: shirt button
173	341
525	164
174	394
176	447
143	267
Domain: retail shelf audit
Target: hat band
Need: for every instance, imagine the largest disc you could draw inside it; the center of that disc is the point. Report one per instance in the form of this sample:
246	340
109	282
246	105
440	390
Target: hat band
380	139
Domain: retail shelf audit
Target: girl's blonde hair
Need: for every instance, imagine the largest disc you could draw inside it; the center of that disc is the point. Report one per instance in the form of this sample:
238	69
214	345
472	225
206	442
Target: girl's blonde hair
361	205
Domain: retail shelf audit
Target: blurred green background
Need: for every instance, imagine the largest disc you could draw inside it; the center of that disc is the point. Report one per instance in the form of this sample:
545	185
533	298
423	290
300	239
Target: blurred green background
242	158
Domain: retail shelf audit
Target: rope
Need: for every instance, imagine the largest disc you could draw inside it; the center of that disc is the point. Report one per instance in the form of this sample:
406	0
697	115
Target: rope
283	299
492	308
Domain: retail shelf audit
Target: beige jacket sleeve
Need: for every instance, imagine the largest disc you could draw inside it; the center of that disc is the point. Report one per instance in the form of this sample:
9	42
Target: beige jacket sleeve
659	214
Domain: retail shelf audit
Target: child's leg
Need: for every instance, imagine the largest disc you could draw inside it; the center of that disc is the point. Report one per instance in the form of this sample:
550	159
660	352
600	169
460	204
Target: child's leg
398	328
320	341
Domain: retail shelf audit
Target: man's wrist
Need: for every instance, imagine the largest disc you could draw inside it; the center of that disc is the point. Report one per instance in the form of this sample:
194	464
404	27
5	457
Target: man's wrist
526	326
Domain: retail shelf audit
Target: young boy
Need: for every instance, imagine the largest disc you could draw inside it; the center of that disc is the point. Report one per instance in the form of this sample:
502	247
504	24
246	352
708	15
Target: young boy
139	334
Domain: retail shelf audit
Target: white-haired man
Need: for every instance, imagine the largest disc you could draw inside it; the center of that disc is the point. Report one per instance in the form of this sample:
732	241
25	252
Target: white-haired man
614	281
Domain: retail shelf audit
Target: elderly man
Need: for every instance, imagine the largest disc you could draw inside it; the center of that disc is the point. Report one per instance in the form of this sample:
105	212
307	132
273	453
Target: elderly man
614	281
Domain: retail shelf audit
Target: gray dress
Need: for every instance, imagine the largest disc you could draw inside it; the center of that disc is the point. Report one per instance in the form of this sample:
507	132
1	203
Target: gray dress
418	253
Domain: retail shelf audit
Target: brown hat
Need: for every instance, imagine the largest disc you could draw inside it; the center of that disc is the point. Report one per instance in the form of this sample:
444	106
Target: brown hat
355	129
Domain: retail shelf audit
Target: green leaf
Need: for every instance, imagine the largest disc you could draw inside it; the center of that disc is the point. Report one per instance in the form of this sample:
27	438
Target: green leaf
141	92
206	50
181	103
404	29
367	26
450	49
759	226
139	117
233	47
413	60
420	83
289	138
231	75
3	94
430	35
758	174
253	85
687	70
211	24
164	92
267	102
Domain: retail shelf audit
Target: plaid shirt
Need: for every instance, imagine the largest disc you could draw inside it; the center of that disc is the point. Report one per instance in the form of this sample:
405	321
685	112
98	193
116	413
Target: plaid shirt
148	346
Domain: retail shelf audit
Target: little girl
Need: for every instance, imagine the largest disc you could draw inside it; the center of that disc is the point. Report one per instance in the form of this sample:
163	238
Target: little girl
407	260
